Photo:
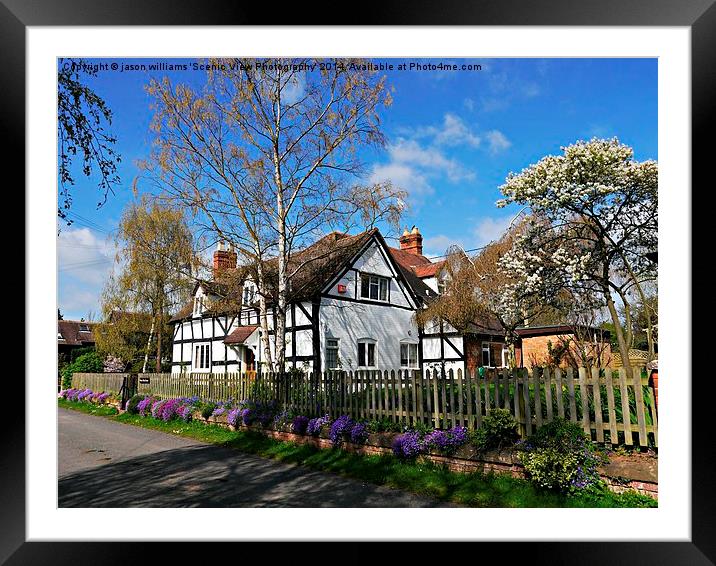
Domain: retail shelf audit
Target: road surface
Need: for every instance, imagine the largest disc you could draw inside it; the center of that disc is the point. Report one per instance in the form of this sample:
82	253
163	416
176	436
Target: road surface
107	464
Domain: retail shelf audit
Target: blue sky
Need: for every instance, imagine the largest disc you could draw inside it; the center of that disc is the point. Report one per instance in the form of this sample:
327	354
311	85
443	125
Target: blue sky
453	137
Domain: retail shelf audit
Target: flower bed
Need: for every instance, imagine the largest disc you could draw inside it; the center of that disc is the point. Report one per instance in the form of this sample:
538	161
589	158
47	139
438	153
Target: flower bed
456	448
87	396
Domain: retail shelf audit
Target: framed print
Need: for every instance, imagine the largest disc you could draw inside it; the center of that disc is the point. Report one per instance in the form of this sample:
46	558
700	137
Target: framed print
476	92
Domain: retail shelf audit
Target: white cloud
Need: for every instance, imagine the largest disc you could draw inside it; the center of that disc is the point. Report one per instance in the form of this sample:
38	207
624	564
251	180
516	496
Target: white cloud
405	177
454	132
84	260
84	255
436	246
498	141
430	158
490	228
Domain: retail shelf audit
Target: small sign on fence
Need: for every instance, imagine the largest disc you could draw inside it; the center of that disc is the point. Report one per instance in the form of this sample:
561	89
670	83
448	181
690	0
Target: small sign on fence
143	380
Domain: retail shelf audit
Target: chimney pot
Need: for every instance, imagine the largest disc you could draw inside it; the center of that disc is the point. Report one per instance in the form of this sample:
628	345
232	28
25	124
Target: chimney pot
412	241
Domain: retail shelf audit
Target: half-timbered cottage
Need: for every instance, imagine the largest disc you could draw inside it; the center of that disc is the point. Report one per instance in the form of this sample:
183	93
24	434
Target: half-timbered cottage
352	304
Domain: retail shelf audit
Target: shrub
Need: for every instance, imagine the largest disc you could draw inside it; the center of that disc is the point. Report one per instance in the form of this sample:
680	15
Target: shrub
559	456
382	425
133	403
407	445
359	433
282	420
299	425
498	429
86	363
207	409
341	427
445	441
315	425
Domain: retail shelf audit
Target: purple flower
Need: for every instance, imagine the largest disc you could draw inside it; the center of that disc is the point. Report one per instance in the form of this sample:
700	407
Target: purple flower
218	411
315	425
407	445
446	441
157	407
340	427
144	405
359	433
167	411
247	416
233	417
184	412
299	425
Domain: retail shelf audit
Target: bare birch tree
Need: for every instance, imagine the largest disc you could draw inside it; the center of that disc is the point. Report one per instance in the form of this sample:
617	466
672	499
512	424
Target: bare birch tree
267	157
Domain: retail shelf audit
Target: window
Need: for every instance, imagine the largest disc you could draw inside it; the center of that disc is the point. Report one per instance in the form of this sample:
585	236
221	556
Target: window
331	353
59	336
199	305
202	356
494	354
249	294
366	353
373	287
409	356
84	328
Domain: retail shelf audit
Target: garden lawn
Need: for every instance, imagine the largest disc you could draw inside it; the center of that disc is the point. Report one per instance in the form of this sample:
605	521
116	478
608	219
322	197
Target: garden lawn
473	489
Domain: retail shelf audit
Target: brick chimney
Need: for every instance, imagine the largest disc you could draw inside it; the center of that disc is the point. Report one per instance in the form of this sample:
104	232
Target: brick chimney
412	241
224	258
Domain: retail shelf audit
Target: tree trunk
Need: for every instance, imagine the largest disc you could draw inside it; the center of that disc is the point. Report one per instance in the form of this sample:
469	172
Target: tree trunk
263	315
623	348
159	346
146	350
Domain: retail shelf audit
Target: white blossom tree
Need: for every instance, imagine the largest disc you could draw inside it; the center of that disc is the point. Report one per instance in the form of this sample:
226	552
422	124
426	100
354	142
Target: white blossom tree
595	219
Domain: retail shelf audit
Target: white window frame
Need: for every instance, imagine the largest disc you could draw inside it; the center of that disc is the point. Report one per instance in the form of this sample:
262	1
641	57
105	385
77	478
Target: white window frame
201	357
337	350
486	348
198	305
368	342
412	362
375	281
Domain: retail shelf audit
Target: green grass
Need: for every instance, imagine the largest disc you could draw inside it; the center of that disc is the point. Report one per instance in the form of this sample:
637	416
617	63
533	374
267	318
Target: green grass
474	489
89	408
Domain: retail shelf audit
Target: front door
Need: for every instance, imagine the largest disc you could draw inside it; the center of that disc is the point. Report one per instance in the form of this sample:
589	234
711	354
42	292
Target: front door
250	362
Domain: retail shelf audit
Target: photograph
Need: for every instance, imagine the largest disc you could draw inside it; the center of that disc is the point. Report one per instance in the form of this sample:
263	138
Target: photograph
378	282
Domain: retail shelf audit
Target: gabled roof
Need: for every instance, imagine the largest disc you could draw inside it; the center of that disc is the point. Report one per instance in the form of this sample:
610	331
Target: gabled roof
240	335
315	266
71	333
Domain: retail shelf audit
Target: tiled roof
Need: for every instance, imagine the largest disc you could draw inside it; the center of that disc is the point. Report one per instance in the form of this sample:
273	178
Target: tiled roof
71	333
408	259
430	270
239	335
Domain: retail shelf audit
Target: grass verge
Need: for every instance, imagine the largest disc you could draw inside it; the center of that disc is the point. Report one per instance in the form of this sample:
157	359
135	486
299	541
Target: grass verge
428	479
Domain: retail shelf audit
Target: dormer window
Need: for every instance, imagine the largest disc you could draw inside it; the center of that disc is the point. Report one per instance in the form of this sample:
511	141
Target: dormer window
59	336
199	305
249	293
84	328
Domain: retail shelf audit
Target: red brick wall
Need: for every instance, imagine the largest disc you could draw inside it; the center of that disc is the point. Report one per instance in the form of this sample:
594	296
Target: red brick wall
535	351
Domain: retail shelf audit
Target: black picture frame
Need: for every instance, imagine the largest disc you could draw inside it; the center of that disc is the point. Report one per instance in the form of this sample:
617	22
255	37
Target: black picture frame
698	15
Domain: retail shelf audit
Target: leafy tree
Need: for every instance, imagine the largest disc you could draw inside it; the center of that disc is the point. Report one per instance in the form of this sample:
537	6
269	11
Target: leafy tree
82	120
475	288
267	157
156	259
595	220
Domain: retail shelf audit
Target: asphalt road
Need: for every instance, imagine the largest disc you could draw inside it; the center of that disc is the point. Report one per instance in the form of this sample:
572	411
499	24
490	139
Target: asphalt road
107	464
